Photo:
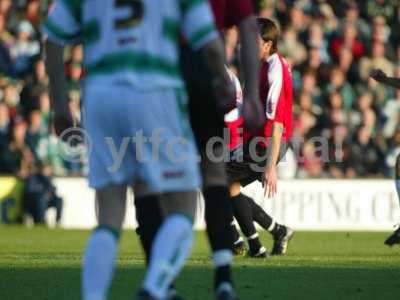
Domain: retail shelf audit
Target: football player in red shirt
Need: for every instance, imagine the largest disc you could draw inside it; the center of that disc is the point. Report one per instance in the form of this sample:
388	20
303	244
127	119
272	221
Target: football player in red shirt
257	159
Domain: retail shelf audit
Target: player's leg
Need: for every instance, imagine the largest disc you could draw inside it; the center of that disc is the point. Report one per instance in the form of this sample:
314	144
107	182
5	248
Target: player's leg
172	243
208	123
281	233
242	211
218	215
394	238
239	248
109	176
167	167
101	250
149	218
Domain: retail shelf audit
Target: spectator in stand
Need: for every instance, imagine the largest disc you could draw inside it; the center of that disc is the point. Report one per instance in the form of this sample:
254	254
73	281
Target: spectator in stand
348	39
348	66
5	7
381	32
34	86
311	164
376	60
15	156
339	83
352	16
364	104
44	108
339	165
32	12
49	150
364	154
314	62
292	48
35	131
298	19
6	42
309	86
25	49
317	40
385	8
40	194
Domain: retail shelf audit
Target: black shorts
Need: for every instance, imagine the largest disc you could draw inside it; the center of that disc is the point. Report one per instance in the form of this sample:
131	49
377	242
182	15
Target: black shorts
247	165
205	119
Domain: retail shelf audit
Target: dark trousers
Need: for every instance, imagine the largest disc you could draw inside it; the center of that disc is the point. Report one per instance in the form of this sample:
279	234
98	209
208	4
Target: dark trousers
36	206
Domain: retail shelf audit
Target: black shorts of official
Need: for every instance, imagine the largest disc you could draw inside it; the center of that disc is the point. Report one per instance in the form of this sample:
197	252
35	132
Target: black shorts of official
205	119
247	164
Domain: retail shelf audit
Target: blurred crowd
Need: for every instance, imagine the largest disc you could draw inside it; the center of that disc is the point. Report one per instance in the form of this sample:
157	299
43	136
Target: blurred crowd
331	46
28	145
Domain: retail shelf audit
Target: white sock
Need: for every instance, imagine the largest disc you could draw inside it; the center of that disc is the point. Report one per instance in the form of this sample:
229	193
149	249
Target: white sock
169	252
98	264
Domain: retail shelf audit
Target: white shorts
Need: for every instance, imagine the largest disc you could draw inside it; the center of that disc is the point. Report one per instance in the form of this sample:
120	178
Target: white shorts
140	138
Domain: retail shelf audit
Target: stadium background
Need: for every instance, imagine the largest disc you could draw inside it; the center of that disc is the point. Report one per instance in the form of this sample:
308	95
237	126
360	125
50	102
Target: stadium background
331	46
331	51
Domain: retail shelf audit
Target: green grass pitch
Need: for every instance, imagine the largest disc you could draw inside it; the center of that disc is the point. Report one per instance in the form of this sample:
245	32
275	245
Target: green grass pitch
43	264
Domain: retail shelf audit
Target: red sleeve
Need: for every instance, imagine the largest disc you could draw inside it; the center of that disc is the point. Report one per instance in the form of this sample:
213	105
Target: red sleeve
237	11
228	13
218	8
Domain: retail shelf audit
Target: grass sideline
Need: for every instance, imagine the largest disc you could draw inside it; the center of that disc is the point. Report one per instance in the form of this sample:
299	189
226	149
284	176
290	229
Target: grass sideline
44	264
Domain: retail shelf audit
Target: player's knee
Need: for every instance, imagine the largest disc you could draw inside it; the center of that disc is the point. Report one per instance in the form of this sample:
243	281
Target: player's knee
111	222
111	207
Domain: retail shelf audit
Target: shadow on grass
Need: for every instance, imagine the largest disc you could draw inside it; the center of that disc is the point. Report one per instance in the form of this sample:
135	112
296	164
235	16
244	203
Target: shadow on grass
254	283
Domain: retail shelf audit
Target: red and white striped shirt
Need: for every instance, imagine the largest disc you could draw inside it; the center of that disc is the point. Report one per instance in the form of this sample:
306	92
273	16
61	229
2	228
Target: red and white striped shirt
276	95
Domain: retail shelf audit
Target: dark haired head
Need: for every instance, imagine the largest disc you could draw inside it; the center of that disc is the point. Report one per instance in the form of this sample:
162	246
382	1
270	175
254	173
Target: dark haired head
269	32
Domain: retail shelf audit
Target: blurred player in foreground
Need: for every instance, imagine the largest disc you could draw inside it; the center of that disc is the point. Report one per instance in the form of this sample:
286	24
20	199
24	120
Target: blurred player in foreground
133	86
381	77
207	121
255	155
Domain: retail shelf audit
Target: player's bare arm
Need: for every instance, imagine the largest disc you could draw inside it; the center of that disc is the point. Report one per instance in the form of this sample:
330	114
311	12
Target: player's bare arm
252	108
214	55
381	77
58	87
270	175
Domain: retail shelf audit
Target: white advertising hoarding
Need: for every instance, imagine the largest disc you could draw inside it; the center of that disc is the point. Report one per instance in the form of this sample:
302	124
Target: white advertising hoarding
302	204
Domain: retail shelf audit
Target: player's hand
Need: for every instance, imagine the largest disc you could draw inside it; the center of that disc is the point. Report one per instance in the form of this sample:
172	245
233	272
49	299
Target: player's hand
253	112
270	180
378	75
225	94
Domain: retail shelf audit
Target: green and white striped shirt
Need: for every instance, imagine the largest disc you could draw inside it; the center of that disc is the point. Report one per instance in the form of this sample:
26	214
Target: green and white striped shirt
132	42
